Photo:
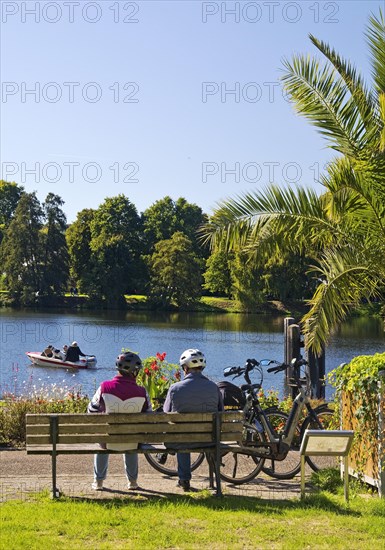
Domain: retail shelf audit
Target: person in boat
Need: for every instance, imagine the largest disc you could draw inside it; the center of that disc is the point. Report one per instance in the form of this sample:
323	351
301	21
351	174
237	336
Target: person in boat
120	395
48	352
74	353
63	352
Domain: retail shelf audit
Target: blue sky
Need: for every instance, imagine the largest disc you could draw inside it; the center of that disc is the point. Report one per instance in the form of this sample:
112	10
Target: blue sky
149	99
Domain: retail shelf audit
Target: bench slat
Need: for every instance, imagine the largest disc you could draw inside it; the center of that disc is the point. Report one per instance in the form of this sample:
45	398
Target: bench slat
130	418
94	448
100	438
187	437
38	429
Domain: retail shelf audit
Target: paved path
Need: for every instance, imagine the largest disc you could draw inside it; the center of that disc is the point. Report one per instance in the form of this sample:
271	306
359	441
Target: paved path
22	476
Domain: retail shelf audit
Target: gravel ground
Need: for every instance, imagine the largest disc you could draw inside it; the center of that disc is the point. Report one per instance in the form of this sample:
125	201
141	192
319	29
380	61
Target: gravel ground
22	476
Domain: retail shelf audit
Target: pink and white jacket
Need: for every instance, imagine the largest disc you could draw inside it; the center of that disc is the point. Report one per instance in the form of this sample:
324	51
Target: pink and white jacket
120	395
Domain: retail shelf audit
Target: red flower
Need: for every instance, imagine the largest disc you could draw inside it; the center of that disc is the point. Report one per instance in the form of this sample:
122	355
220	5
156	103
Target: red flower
161	356
147	371
154	366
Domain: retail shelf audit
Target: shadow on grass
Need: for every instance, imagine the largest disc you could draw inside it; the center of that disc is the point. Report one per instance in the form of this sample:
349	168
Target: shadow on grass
205	499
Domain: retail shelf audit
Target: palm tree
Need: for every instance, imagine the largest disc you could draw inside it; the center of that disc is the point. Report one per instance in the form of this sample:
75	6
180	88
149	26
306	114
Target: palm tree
343	229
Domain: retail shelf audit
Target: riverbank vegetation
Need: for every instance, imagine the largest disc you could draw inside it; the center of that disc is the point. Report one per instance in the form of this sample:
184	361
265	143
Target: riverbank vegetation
113	257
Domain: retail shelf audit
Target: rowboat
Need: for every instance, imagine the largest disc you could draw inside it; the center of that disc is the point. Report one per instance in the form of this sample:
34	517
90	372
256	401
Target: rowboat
42	361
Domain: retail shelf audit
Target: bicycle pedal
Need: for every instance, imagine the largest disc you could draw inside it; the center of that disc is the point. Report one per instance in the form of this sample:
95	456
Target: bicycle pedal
161	458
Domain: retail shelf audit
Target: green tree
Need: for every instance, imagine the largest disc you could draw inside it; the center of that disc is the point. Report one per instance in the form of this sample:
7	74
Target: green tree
343	230
166	217
175	272
21	253
247	283
10	194
55	252
116	247
218	273
284	277
82	264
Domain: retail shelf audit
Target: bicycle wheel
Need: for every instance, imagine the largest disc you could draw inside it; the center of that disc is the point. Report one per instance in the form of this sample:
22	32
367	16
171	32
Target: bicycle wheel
325	422
166	463
240	468
291	464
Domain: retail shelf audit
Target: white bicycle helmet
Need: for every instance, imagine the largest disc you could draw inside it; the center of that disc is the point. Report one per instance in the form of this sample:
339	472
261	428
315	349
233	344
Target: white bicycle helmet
192	359
128	363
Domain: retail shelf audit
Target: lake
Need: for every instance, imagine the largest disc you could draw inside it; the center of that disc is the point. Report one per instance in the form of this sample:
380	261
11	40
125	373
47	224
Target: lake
226	339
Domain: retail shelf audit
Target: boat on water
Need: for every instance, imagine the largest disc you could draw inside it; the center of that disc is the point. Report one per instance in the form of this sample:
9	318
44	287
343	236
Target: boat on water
42	361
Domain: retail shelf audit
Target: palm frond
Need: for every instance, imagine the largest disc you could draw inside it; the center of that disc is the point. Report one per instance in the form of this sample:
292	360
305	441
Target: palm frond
322	97
381	103
375	35
289	215
355	197
346	281
354	82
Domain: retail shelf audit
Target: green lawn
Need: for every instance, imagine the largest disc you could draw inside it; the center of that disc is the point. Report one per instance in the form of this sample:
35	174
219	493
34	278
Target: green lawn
195	521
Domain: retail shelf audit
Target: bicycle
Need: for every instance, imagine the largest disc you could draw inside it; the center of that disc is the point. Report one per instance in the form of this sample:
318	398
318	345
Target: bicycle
274	436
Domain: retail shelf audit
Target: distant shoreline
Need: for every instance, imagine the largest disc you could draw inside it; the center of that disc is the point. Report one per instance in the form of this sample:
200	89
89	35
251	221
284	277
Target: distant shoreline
207	304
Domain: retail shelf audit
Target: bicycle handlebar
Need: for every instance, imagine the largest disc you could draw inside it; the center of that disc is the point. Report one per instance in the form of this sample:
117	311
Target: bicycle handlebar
294	363
278	369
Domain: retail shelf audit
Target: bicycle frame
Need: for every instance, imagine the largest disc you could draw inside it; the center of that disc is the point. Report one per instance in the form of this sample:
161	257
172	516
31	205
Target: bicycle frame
275	448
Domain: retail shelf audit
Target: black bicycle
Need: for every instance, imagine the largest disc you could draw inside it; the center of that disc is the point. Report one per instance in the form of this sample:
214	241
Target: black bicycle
275	437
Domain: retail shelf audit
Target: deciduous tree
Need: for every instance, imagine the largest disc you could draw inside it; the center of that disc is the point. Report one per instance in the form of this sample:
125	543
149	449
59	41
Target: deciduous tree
116	247
82	264
175	272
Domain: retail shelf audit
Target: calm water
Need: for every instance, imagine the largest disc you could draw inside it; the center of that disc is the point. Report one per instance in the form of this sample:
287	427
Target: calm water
226	340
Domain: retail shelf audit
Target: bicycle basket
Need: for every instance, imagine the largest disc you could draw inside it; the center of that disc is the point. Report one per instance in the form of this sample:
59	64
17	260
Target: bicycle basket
232	395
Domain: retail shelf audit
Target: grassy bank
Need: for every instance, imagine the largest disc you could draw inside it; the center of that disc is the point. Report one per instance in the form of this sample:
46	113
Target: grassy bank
209	304
196	521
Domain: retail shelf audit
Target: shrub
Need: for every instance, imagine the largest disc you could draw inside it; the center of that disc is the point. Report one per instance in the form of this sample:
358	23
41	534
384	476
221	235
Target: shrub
47	399
359	381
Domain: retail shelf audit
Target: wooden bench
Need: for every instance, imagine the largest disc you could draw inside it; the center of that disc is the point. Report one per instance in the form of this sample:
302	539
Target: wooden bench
212	433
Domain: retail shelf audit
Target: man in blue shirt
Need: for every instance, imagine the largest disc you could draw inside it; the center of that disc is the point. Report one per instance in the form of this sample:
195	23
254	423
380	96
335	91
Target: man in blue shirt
195	393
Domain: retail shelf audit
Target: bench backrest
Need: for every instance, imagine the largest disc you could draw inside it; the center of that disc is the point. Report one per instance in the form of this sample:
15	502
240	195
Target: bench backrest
68	429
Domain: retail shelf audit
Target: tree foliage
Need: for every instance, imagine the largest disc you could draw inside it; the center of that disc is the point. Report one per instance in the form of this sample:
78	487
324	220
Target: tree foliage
78	237
34	252
175	272
10	194
217	276
54	247
21	252
116	248
166	217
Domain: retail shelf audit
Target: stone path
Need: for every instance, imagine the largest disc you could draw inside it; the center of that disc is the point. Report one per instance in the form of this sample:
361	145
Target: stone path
22	476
